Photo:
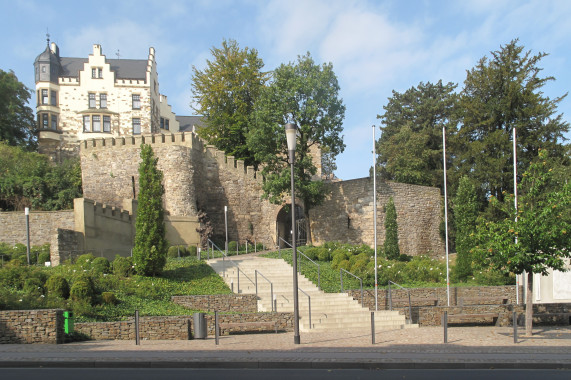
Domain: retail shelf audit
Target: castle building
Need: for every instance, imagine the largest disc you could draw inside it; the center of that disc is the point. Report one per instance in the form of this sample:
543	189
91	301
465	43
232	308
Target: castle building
98	97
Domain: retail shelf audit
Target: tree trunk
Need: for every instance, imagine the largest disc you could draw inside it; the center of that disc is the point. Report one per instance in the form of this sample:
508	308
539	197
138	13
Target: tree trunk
529	305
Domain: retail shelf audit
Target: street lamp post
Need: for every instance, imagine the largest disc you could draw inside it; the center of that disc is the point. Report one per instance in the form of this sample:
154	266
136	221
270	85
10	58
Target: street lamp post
291	130
27	213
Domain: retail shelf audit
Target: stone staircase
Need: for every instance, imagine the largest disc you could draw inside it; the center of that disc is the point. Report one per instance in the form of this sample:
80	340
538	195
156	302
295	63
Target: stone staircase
329	311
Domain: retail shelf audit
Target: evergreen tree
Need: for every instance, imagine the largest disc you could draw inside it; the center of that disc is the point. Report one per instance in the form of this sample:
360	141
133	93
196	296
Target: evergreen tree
150	250
500	94
391	245
465	215
410	147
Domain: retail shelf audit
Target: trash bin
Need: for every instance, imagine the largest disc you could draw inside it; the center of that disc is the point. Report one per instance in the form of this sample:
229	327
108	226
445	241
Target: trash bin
68	322
200	331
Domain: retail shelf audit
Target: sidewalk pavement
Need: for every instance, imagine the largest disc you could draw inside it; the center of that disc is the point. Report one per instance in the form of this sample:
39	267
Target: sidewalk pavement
422	348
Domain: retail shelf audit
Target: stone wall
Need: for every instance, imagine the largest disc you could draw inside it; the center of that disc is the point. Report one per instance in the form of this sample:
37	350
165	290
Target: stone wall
424	296
173	328
245	303
544	314
199	177
43	225
347	215
32	326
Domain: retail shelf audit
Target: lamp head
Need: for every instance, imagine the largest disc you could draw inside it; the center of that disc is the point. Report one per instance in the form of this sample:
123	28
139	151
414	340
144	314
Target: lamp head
291	131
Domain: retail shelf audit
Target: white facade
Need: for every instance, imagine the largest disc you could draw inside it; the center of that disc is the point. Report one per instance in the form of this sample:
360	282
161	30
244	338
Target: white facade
96	97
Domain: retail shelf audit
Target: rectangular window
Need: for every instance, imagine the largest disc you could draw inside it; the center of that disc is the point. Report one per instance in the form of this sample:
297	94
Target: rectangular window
162	123
136	102
54	122
45	121
45	97
54	98
106	123
100	73
86	124
167	126
102	100
91	100
96	123
93	72
136	126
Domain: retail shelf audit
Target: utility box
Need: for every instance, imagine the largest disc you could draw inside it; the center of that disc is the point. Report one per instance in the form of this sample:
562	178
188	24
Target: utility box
199	321
68	322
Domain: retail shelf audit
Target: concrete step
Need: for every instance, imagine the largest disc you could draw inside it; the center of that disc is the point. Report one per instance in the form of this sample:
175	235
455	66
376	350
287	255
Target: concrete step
329	311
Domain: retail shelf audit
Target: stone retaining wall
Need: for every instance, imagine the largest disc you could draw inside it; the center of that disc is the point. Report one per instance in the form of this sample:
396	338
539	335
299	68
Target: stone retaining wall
31	326
245	303
419	294
544	314
173	328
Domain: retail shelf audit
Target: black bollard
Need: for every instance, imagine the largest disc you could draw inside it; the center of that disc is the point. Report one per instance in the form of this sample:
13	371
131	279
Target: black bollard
445	324
373	327
137	336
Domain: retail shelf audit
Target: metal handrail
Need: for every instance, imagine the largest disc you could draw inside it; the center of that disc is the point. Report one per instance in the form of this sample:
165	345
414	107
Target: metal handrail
218	248
309	305
304	255
341	270
391	299
271	286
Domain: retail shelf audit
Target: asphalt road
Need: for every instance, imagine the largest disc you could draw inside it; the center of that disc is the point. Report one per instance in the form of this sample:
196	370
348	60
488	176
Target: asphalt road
274	374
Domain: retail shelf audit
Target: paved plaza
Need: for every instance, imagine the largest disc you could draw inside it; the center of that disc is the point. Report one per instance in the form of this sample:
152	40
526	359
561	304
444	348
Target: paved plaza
467	347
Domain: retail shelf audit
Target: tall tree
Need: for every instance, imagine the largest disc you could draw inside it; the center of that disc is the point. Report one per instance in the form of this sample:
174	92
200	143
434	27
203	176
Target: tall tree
29	179
466	209
410	147
540	237
17	126
224	92
391	245
306	94
150	250
500	94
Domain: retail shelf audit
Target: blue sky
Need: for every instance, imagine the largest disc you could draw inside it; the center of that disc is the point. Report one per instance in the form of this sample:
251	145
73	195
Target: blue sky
375	46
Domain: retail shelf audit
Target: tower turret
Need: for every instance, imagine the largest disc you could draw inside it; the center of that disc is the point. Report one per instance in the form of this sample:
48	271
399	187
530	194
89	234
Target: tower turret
47	65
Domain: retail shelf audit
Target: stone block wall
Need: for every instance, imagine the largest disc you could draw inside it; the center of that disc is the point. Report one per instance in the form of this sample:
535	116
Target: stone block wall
245	303
173	328
424	296
32	326
43	225
347	215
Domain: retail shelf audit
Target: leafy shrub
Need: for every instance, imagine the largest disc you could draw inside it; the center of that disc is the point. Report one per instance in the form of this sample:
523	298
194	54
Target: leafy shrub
82	291
57	286
339	255
345	264
33	287
192	250
232	246
123	266
109	298
85	261
44	257
311	252
173	252
323	254
100	265
82	307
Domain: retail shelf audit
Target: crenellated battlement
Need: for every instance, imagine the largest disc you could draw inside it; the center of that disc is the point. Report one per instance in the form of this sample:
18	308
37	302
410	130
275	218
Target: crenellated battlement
107	211
189	139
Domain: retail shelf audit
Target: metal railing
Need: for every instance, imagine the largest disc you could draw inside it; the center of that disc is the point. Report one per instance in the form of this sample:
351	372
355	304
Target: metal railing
309	304
271	286
341	270
391	299
211	246
299	261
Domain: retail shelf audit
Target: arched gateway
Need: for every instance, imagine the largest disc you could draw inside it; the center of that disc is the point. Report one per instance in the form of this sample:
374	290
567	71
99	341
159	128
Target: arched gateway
284	227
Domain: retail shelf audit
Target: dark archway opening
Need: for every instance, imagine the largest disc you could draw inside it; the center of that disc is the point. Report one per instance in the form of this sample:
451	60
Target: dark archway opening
284	227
